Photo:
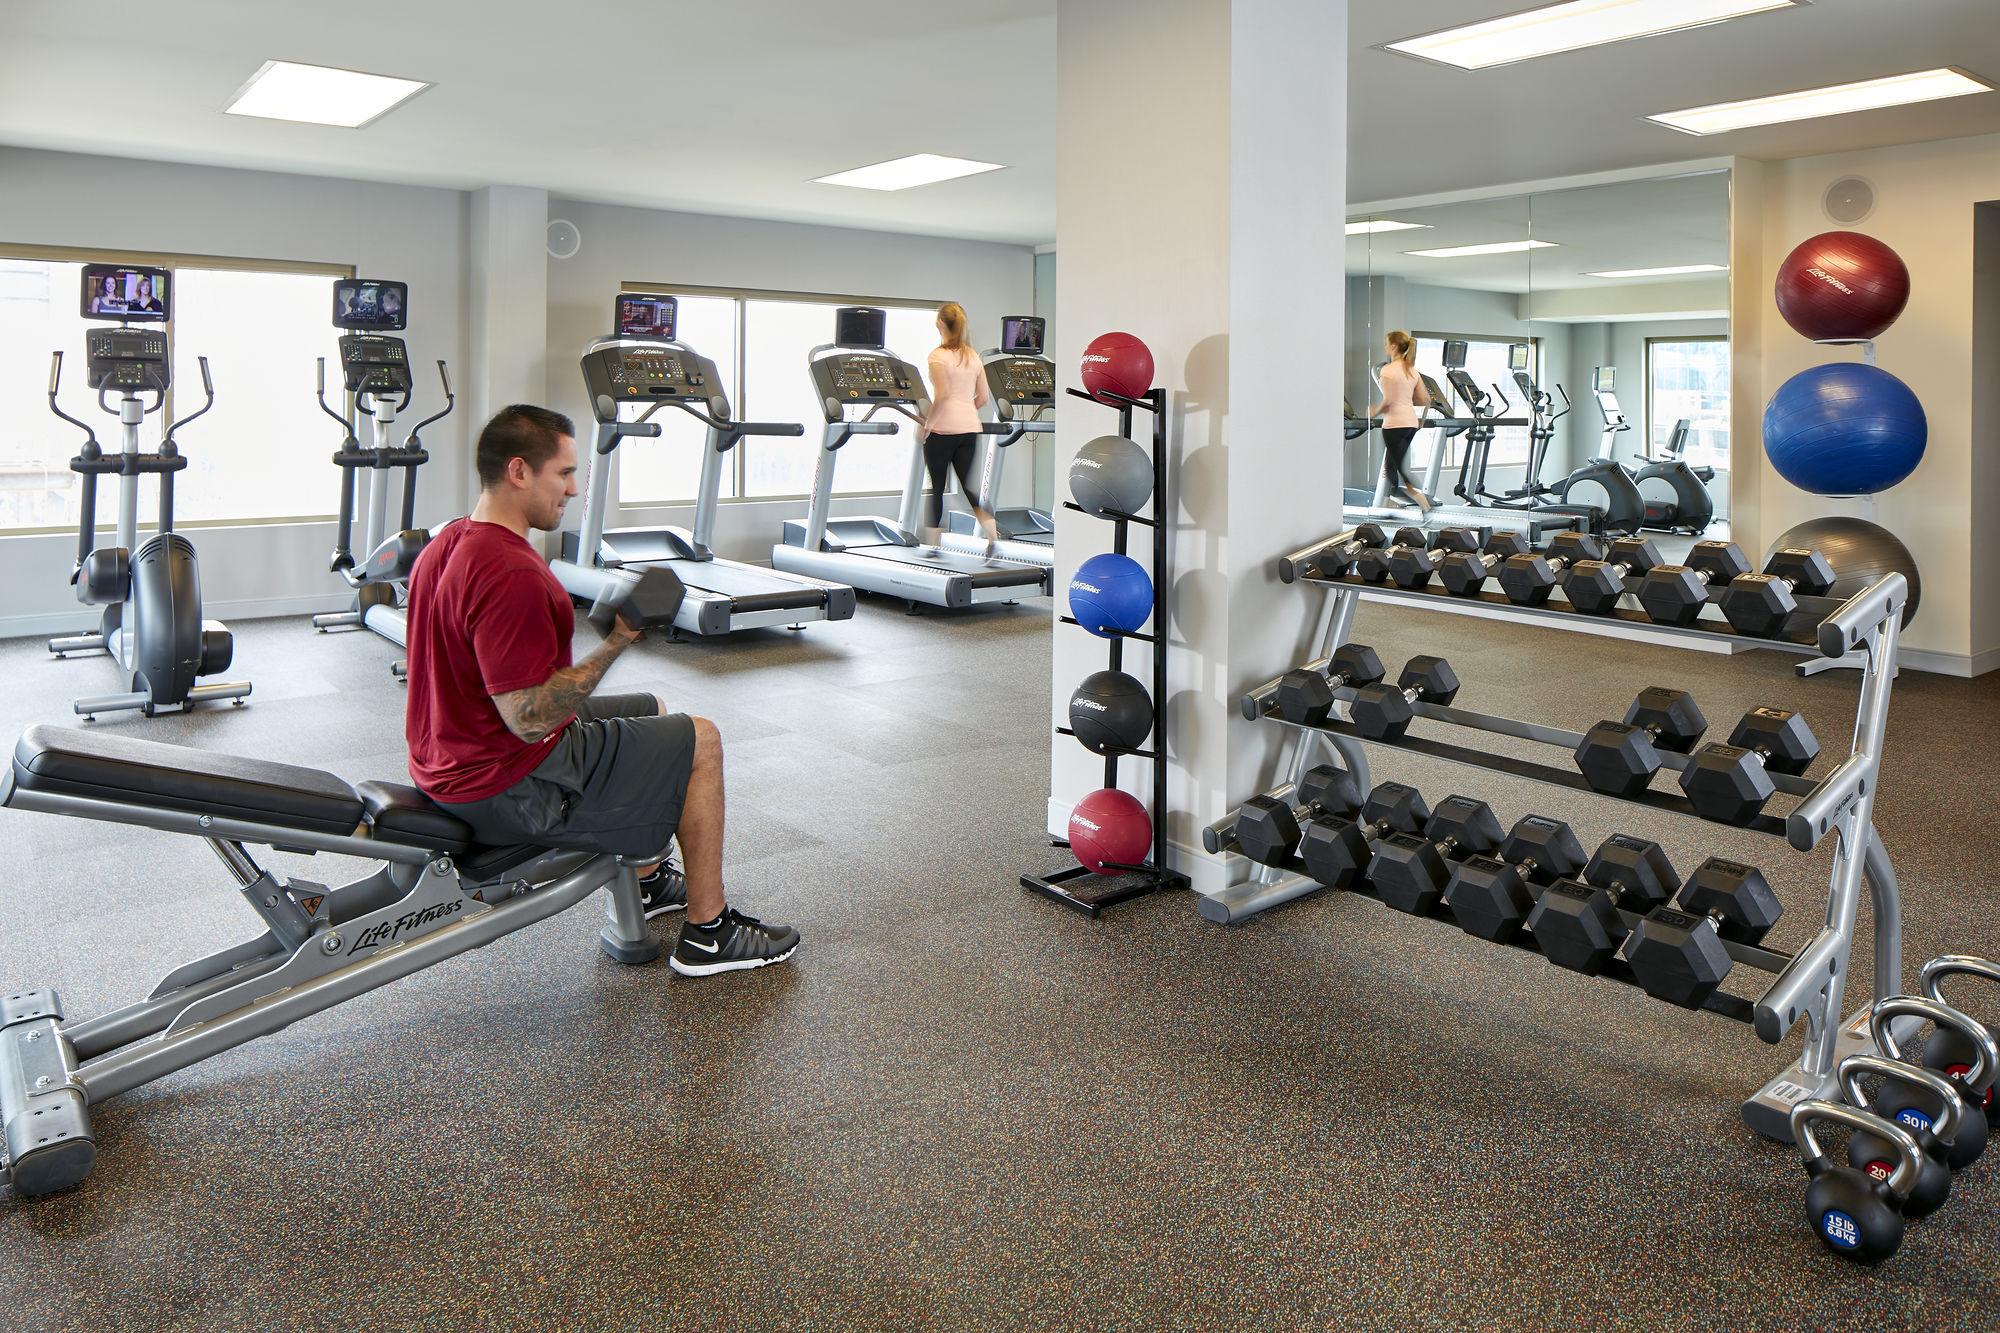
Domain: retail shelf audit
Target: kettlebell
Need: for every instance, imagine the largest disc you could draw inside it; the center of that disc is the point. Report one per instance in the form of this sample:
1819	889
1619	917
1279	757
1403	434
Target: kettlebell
1855	1215
1921	1107
1877	1156
1950	1051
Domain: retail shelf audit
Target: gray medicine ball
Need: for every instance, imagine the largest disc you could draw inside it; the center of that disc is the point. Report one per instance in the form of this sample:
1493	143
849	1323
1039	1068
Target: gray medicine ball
1111	473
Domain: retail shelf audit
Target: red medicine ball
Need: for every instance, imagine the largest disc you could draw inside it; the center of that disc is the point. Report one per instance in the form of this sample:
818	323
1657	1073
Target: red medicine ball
1842	285
1110	826
1117	363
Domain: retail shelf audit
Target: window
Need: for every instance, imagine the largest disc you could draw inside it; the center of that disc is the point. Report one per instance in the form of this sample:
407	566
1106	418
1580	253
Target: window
1486	362
1687	379
771	383
261	331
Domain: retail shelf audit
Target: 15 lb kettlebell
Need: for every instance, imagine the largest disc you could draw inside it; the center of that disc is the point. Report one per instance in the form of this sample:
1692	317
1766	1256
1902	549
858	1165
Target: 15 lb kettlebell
1921	1107
1855	1215
1950	1051
1877	1156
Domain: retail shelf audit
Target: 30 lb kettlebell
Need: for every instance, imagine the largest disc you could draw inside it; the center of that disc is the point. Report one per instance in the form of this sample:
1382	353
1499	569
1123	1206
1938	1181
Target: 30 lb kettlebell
1855	1215
1950	1051
1921	1107
1877	1156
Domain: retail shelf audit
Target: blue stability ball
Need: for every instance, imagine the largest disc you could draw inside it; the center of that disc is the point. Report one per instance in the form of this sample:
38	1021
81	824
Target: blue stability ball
1111	593
1844	429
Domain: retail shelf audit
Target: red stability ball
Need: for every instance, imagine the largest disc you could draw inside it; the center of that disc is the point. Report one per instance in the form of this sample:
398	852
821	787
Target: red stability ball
1117	363
1841	286
1109	828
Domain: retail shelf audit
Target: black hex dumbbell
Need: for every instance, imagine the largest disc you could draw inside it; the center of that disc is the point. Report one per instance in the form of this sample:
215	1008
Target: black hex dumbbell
1760	604
1463	573
1384	712
1621	757
1730	783
1410	871
1267	829
1576	923
1678	956
1594	586
1305	696
1408	557
1489	896
1529	579
1675	594
1336	559
1336	850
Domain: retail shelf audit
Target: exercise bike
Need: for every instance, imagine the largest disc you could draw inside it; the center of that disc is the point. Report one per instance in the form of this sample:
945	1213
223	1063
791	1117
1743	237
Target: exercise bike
152	625
375	368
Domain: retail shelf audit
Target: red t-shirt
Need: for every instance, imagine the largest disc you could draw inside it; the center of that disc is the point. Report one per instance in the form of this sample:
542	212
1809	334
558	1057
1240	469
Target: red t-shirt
485	617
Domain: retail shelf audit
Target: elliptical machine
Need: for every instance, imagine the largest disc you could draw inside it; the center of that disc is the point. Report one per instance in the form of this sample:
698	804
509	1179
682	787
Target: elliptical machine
1692	509
375	368
1623	509
151	594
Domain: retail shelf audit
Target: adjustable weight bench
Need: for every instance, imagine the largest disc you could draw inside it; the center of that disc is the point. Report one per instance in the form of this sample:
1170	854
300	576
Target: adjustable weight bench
435	894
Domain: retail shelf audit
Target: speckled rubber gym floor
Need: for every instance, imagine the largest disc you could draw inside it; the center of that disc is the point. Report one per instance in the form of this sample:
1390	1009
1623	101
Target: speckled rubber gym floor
962	1107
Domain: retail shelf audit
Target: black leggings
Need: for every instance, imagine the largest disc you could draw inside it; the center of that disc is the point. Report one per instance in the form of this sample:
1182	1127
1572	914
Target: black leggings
955	452
1395	448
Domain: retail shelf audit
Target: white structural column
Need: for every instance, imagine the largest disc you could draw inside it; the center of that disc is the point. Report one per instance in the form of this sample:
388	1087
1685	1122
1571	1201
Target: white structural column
1201	179
508	282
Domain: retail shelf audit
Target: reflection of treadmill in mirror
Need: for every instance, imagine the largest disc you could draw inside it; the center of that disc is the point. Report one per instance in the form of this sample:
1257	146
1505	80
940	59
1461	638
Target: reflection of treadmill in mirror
1021	381
642	363
855	374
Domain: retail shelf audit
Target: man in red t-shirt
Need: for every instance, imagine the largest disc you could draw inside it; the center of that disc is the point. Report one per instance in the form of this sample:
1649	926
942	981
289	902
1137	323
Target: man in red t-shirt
502	728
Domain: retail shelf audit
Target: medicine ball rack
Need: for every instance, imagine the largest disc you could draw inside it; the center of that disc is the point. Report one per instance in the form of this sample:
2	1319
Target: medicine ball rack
1809	984
1078	886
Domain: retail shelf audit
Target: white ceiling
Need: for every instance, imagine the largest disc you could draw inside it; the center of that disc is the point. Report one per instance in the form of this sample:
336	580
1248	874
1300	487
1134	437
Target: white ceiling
733	108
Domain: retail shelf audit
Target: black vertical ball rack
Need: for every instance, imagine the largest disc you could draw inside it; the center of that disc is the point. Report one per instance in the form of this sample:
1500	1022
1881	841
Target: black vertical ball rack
1078	886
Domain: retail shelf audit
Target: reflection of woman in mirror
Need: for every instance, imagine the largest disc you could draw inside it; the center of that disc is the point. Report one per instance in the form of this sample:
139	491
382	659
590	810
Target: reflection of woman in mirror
107	301
1403	393
144	299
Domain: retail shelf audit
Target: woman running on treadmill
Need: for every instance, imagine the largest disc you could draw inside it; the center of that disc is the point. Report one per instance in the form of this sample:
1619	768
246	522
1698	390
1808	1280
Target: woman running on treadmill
958	391
1403	393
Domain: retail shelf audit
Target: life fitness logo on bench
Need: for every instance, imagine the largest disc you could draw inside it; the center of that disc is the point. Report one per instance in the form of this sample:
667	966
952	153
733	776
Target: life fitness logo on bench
390	931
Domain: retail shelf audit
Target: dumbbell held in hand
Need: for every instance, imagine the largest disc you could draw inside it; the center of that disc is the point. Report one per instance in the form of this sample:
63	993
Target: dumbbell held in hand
648	601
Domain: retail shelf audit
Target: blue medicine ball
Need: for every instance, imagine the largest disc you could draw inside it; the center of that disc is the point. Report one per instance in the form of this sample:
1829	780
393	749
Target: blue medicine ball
1844	429
1111	593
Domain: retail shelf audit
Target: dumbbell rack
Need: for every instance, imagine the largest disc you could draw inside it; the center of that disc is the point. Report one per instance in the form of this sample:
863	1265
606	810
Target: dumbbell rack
1809	984
1078	886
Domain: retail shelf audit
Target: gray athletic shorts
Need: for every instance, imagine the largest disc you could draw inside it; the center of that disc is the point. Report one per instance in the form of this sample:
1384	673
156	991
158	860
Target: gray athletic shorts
614	782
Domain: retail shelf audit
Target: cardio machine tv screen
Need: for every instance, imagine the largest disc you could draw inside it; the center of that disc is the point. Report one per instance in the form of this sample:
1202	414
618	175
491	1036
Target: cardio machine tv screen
860	326
645	315
369	303
1022	333
119	291
1604	379
1517	356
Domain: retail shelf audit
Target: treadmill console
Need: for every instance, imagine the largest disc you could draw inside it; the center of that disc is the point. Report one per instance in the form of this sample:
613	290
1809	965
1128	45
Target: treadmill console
1028	380
625	370
374	363
125	359
850	376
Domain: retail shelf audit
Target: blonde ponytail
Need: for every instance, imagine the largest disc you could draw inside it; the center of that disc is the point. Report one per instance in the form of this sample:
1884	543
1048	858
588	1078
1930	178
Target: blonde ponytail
952	315
1405	348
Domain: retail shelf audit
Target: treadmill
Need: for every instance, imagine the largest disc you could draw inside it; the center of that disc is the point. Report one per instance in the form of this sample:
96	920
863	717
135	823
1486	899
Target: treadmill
1021	382
855	373
643	363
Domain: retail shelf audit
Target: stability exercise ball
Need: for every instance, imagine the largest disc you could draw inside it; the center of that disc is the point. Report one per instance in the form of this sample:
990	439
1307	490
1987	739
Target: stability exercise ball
1842	285
1117	363
1111	594
1111	473
1111	710
1844	429
1860	552
1109	828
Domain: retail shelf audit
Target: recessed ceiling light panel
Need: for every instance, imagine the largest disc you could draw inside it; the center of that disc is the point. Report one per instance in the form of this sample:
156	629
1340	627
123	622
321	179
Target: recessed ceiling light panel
320	94
1571	27
1375	225
1669	271
905	172
1490	248
1835	100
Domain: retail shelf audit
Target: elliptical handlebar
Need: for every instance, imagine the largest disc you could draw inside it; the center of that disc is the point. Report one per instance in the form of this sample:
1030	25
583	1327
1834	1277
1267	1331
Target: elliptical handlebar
411	441
346	426
208	387
1566	407
91	449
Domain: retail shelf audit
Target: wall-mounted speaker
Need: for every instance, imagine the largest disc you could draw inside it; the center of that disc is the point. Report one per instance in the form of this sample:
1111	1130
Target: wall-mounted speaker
565	239
1848	200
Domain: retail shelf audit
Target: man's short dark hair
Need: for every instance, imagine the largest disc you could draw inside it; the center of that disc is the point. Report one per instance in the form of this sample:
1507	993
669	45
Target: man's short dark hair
521	431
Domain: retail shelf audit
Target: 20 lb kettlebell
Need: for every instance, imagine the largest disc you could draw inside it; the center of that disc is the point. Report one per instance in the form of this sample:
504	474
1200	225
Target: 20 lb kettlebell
1921	1107
1855	1215
1877	1156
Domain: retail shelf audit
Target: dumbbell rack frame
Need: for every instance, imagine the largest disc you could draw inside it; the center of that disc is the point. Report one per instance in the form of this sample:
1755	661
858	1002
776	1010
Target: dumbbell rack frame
1809	984
1078	886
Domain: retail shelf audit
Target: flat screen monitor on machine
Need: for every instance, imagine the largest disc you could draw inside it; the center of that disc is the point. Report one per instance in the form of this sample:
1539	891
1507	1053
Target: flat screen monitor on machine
370	304
122	291
646	315
1022	333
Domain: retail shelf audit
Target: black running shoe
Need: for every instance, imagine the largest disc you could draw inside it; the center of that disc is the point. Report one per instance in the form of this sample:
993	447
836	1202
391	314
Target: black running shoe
665	890
733	944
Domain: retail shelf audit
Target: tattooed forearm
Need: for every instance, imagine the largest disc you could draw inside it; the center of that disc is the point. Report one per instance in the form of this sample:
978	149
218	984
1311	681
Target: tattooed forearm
535	712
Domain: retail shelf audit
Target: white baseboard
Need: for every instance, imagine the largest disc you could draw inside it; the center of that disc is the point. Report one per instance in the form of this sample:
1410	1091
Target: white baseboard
1963	665
248	608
